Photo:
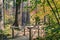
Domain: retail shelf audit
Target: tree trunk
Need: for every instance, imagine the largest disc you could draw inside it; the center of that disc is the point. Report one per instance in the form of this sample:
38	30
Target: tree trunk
1	15
17	12
28	15
20	15
44	11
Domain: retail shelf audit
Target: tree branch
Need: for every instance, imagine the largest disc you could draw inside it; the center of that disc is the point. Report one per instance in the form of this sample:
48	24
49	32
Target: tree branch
55	7
53	11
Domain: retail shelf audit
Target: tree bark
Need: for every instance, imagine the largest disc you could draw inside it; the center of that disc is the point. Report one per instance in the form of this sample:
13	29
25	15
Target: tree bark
1	15
28	15
17	11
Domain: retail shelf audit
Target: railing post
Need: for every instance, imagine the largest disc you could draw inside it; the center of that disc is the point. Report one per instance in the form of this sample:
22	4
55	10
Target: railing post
30	37
30	34
38	32
24	31
12	33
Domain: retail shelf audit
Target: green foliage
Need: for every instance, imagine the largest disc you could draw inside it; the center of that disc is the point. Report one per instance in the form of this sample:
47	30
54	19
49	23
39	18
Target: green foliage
52	33
37	20
53	30
34	4
1	31
25	0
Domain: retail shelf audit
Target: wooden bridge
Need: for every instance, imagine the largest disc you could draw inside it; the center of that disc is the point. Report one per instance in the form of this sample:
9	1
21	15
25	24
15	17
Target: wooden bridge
28	33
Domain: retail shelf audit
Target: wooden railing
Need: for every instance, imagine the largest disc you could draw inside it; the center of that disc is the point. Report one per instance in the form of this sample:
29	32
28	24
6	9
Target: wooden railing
30	31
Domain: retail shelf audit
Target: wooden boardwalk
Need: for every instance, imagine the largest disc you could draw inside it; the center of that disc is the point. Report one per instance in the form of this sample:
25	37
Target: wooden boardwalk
21	38
34	31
